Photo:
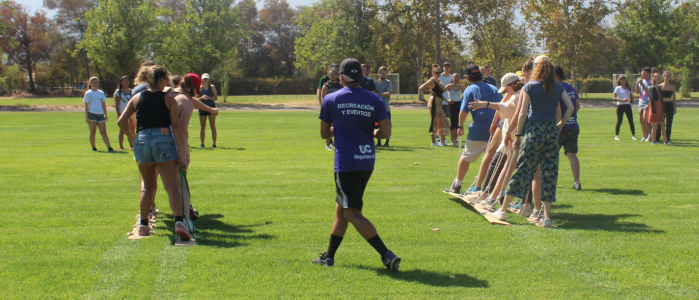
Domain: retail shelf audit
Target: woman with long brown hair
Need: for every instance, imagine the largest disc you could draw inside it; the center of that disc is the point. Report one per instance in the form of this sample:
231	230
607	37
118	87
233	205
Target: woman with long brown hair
96	113
655	115
121	97
439	124
538	161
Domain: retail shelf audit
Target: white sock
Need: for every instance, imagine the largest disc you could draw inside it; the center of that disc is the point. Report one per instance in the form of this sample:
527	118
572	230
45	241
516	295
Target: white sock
457	182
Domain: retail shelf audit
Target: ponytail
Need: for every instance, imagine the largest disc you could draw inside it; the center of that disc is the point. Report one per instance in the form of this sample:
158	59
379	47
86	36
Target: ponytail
187	86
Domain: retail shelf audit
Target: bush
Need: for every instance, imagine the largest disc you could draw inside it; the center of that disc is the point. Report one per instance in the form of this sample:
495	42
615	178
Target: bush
272	86
599	85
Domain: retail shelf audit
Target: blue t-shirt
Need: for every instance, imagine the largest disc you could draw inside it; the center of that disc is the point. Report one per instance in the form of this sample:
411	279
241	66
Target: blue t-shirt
479	130
543	105
572	122
368	84
353	112
139	88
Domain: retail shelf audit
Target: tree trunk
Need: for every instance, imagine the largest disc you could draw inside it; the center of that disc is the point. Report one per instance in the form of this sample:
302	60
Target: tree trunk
32	88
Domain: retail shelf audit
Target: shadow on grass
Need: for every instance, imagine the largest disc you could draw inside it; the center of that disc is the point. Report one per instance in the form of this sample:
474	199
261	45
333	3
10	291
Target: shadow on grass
464	204
619	192
601	222
213	232
685	143
561	206
217	148
431	278
399	148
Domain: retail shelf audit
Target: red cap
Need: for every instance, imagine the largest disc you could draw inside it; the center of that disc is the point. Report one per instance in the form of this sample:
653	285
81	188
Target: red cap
195	80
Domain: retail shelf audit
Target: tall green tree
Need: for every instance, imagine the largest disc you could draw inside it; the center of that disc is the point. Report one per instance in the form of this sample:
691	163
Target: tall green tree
570	30
645	27
70	18
117	35
204	41
333	30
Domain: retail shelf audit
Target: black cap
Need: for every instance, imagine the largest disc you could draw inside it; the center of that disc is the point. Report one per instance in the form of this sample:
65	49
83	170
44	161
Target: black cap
352	68
446	63
472	69
333	66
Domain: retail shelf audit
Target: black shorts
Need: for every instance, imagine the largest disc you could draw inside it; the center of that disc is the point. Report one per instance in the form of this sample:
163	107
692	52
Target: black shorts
350	188
209	103
454	110
568	139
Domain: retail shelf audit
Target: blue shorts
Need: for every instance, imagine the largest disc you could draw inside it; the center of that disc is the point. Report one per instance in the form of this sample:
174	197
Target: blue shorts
154	145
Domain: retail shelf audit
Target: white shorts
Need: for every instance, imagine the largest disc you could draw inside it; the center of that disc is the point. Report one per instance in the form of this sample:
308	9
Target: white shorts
473	150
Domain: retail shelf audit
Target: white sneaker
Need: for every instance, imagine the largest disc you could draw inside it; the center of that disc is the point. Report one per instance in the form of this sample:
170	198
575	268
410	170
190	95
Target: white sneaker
500	215
442	144
328	147
648	139
435	144
544	223
616	138
634	138
643	139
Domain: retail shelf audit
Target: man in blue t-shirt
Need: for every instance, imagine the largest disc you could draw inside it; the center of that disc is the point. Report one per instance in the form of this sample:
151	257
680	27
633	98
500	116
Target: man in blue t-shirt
479	130
568	137
349	114
367	82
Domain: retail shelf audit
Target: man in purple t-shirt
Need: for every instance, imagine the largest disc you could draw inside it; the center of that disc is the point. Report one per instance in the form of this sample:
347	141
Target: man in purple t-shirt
349	114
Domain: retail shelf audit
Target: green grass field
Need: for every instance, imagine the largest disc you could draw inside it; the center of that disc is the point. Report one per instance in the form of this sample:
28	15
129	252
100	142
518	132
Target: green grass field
266	196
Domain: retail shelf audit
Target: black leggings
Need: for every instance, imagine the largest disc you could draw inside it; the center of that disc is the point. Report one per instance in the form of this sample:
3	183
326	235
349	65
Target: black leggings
669	115
620	111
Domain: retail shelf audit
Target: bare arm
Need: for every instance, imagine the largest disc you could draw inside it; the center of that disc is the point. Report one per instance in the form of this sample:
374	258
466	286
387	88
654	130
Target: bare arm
87	110
104	109
213	89
569	109
116	101
326	130
427	86
201	106
179	134
126	115
323	93
384	131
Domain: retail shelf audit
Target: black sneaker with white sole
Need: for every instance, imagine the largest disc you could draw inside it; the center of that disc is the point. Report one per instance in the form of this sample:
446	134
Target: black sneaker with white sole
391	261
323	262
454	188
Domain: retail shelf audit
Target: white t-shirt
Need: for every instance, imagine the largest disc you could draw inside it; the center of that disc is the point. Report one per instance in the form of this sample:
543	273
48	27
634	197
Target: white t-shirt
622	93
95	99
508	108
445	81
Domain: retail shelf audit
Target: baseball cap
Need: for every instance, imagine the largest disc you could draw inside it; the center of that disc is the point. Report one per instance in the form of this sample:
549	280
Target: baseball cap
472	69
446	63
333	66
622	76
205	76
507	80
351	70
195	80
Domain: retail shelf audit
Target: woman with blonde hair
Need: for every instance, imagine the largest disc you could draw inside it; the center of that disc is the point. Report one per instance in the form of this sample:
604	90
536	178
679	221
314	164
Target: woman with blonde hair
160	146
538	161
439	124
95	113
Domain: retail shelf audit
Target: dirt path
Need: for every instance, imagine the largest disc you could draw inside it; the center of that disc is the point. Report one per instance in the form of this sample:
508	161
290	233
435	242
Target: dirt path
299	106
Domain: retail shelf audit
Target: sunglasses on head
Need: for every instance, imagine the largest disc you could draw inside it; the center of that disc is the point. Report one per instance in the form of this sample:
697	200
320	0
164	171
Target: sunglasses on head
438	72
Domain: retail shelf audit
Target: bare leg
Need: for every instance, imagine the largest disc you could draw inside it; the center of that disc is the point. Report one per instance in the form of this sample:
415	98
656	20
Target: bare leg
433	139
488	157
443	138
362	224
202	132
536	187
340	224
574	166
644	125
170	175
214	133
547	209
103	132
121	135
654	127
149	183
452	134
505	175
93	129
663	131
462	169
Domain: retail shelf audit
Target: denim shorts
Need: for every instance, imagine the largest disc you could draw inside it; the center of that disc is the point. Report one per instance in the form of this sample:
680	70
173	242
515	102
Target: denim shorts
95	117
154	145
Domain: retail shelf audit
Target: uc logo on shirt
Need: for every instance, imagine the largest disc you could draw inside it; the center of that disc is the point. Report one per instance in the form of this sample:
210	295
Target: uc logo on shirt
365	149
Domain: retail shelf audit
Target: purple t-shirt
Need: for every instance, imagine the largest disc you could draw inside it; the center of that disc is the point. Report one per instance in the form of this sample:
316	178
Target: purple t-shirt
353	112
572	122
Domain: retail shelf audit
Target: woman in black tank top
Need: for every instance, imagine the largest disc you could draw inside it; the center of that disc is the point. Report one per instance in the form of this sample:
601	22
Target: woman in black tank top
439	124
160	146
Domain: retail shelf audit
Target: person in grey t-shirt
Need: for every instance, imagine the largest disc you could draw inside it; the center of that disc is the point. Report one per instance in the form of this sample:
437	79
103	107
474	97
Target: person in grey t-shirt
384	87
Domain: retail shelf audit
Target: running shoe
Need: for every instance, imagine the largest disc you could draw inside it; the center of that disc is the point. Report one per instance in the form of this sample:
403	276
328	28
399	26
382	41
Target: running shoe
668	143
94	149
201	146
634	138
643	139
121	148
488	201
143	230
500	215
517	206
456	189
616	138
435	144
655	143
110	149
213	146
544	223
378	144
473	189
182	231
442	144
648	139
577	186
328	147
323	262
391	261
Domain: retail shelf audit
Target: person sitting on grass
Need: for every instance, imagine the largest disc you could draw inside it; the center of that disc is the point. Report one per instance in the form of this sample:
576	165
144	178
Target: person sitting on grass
352	111
95	113
154	146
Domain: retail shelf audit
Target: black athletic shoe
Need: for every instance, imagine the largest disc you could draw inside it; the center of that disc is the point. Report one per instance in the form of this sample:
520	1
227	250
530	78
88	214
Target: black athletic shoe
110	149
454	189
385	144
576	186
214	146
94	149
323	262
378	144
391	261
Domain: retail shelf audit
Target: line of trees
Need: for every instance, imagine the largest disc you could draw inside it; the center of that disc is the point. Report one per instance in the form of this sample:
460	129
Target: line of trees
236	39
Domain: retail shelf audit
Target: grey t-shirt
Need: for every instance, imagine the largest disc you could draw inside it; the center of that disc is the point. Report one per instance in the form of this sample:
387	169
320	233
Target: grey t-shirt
386	86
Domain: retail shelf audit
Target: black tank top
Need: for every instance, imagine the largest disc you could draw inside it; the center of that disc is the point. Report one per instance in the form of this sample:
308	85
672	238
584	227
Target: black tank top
151	111
437	90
